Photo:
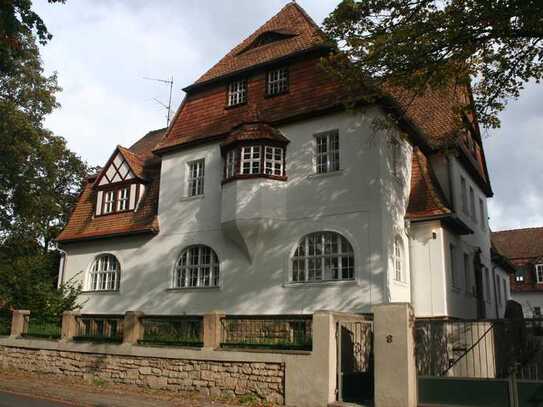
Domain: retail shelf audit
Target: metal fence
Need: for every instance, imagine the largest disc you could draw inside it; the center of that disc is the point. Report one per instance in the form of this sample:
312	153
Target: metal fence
172	330
480	349
5	323
268	332
45	327
99	328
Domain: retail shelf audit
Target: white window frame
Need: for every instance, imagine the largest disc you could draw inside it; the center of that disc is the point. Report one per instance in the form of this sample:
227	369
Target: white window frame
251	156
539	273
123	197
398	260
277	81
109	202
452	264
273	161
334	262
327	158
464	194
104	274
198	266
237	92
231	163
196	176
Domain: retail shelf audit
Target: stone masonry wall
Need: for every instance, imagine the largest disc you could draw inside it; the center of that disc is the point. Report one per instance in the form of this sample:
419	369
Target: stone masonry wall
217	378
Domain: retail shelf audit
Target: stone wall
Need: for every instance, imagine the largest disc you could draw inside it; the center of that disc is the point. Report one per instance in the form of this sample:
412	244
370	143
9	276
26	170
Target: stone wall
265	380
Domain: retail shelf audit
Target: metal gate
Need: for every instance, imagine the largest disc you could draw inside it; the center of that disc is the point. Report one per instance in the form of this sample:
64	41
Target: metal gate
492	363
355	361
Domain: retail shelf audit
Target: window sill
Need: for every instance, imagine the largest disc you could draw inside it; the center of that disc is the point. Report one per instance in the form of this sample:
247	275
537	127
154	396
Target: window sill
325	174
254	176
192	288
401	283
101	292
192	198
320	283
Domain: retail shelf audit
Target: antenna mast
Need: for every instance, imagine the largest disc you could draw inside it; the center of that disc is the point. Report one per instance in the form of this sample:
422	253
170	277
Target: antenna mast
168	107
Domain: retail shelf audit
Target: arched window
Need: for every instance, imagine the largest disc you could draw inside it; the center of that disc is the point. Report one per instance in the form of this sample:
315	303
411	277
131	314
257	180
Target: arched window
198	266
105	273
323	256
398	260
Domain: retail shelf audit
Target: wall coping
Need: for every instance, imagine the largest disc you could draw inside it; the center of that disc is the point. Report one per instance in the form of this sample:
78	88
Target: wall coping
130	350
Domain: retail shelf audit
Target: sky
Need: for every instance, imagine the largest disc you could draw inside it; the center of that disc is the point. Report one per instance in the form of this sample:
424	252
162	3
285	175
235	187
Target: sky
102	51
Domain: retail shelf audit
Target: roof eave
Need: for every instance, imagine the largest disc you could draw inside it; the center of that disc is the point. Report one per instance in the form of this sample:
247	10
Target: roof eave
144	231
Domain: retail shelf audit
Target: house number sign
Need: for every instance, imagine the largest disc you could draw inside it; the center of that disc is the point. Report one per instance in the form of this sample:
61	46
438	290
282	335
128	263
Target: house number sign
389	338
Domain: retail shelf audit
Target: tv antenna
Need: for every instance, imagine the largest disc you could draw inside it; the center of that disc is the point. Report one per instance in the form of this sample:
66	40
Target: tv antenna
168	106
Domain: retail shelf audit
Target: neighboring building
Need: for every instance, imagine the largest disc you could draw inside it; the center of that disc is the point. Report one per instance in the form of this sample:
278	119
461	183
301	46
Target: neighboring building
524	249
503	270
267	196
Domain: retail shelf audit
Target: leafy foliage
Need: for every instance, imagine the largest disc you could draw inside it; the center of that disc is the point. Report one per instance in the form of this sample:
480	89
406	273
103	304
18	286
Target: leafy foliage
39	176
434	44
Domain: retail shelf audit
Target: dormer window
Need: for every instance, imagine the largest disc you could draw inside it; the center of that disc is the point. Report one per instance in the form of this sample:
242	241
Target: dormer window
109	202
250	160
237	92
277	82
122	201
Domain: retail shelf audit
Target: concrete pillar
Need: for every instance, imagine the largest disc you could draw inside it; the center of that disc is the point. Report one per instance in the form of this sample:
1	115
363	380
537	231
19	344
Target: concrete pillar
394	354
69	325
19	322
132	327
324	358
212	329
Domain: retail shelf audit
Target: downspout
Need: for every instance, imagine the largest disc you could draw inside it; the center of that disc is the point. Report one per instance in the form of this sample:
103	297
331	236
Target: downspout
495	292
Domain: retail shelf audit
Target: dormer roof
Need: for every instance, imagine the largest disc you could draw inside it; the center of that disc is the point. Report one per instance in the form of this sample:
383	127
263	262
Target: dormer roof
254	131
123	165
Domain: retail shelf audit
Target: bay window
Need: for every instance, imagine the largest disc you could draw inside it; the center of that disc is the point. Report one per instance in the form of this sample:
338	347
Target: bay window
255	160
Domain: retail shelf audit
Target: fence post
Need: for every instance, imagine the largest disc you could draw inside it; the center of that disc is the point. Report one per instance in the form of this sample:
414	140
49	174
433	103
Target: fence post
19	322
69	325
394	354
132	327
212	329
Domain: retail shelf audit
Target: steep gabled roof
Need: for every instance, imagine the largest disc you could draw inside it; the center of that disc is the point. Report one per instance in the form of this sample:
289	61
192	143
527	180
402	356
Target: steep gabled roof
84	225
294	32
426	199
520	243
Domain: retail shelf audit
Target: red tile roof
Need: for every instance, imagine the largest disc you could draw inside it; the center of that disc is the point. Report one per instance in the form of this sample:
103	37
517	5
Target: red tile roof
83	224
519	244
296	31
426	199
255	131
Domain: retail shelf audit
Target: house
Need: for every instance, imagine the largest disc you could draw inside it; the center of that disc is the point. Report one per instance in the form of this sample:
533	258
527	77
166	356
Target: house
265	195
524	249
503	270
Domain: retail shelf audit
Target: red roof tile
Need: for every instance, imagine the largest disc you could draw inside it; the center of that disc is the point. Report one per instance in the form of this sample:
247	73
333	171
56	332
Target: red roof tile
426	198
520	243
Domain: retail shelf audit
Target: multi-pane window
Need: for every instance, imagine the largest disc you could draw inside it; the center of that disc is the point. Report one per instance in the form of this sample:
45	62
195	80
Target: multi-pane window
104	274
472	204
452	256
122	199
467	273
198	266
323	256
482	213
398	265
487	284
109	202
396	158
277	81
237	92
327	152
273	160
250	160
539	273
196	178
231	163
464	195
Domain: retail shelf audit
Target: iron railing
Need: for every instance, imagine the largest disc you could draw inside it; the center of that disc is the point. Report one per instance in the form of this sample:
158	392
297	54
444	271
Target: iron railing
5	323
268	332
172	330
479	349
43	327
99	328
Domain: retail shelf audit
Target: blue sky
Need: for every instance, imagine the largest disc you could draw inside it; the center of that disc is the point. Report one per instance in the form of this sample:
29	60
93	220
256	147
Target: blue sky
101	50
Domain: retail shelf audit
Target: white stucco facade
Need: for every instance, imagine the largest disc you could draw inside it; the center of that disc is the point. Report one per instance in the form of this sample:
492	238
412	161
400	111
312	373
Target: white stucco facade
254	226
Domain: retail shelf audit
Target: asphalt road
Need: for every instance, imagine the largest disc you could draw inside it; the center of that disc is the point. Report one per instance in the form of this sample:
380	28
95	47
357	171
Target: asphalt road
14	400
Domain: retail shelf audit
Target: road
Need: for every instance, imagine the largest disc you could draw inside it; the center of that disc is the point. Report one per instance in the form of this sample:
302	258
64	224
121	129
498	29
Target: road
15	400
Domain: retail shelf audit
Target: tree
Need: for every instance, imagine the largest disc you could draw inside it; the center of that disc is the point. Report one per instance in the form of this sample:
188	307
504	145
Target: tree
435	44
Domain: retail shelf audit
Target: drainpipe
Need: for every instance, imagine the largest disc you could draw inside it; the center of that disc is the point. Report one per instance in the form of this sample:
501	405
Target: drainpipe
495	292
61	266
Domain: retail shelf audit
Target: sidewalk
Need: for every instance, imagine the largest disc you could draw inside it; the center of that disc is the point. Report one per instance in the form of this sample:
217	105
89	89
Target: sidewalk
73	392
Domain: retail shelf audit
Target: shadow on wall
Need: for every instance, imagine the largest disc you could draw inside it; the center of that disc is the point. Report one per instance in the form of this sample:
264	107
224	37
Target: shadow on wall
308	204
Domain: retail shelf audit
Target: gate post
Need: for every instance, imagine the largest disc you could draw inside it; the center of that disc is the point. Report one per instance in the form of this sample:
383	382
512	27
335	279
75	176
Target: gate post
394	356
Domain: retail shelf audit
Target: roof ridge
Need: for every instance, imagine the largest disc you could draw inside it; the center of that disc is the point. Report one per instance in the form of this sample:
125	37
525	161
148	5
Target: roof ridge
518	229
